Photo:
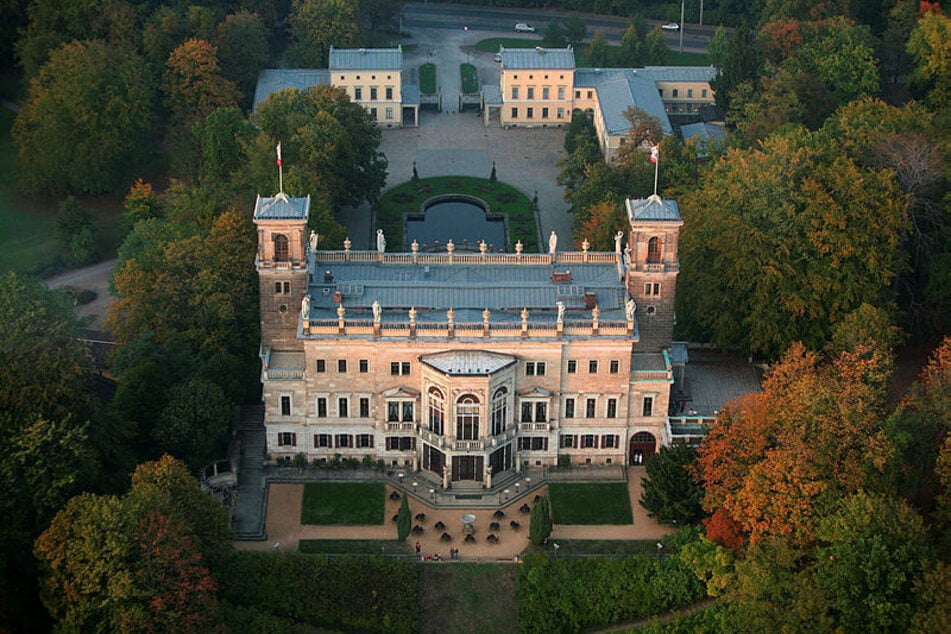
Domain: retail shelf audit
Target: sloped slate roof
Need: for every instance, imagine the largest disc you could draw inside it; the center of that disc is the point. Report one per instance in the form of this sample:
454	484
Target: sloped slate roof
620	88
468	362
653	208
281	207
366	58
272	80
538	58
679	73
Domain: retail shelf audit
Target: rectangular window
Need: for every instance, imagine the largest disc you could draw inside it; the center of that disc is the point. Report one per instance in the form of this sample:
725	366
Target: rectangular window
533	368
342	366
321	365
282	288
590	94
395	368
531	92
609	441
652	289
541	412
372	93
389	93
615	366
408	411
675	92
561	92
357	93
530	113
393	412
407	443
589	441
612	408
592	366
321	407
569	408
648	409
285	406
533	443
560	113
515	113
546	92
567	441
364	408
365	441
514	92
404	368
373	113
322	440
589	407
343	407
393	444
544	113
577	94
661	91
703	93
690	92
572	366
389	113
526	412
287	439
364	366
344	440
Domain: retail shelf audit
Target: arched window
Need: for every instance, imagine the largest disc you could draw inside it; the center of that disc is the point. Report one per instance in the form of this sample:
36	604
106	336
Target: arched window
653	251
499	411
437	411
281	252
467	417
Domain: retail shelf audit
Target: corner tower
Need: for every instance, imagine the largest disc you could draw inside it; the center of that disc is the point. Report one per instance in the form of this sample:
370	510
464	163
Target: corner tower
652	266
281	264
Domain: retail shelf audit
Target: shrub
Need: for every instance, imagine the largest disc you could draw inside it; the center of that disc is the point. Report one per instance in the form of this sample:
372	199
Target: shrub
404	520
540	525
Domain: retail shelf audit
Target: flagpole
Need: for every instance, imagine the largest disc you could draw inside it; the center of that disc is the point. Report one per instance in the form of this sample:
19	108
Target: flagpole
656	170
280	168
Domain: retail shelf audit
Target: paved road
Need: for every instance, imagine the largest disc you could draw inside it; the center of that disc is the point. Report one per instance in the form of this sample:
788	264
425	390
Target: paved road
95	277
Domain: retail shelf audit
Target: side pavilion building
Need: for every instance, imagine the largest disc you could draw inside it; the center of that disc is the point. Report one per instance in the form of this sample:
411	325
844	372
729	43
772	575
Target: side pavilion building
466	365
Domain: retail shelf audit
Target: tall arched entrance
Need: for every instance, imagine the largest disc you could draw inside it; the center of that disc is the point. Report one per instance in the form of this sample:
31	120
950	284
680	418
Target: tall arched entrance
642	445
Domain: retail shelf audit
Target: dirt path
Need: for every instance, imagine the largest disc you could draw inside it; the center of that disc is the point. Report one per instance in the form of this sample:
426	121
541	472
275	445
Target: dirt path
282	525
96	278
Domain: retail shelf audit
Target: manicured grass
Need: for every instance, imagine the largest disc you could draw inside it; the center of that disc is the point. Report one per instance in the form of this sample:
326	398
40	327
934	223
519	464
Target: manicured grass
491	44
607	547
427	79
688	59
343	503
468	599
470	79
502	199
596	503
355	546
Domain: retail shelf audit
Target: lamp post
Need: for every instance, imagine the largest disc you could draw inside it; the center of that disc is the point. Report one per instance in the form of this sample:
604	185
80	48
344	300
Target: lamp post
432	494
414	487
506	492
466	41
517	485
401	475
682	25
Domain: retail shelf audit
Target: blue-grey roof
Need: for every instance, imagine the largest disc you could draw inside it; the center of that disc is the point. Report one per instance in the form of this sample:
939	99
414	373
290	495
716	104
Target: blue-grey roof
620	88
538	58
492	94
432	289
652	209
705	131
281	207
273	80
679	73
468	362
409	94
366	58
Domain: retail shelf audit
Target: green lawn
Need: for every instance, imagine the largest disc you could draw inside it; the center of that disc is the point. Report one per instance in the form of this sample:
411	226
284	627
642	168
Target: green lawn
491	44
470	79
596	503
502	199
468	599
343	503
427	79
355	547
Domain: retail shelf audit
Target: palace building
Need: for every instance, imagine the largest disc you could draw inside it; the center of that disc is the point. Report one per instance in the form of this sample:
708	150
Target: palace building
467	364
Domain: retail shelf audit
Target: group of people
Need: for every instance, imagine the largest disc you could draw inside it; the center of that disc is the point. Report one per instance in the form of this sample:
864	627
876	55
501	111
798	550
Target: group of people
453	554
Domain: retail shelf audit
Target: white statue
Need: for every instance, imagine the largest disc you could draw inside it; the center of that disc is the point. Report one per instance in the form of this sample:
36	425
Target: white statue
412	316
552	243
629	307
486	315
451	315
341	311
305	307
561	312
617	241
595	312
380	241
313	240
377	311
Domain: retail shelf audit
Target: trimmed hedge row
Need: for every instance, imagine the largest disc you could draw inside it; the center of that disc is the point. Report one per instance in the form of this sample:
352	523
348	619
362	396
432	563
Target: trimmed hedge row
573	594
367	594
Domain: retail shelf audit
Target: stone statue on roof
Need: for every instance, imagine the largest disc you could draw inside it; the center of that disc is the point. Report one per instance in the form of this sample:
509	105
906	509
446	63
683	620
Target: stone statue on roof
305	307
314	236
380	241
629	308
412	316
617	241
552	243
377	311
561	312
341	311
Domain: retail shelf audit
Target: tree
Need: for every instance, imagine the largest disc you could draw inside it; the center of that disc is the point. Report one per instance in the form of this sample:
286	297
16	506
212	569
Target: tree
655	51
193	84
603	220
74	229
242	43
798	233
930	44
598	53
316	25
670	493
540	522
644	132
631	53
194	424
740	63
404	520
141	203
91	101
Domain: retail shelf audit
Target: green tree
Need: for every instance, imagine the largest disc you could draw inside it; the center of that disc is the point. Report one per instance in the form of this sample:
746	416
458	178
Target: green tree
930	44
598	54
540	522
316	25
221	138
141	203
740	63
631	53
93	103
194	424
655	50
799	233
242	43
404	520
75	230
670	493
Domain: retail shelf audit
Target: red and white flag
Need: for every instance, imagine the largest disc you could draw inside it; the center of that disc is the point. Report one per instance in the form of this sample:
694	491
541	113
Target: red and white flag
655	153
279	155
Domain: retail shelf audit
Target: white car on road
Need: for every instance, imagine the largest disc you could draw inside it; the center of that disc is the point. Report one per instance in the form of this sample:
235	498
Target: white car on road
670	26
522	27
